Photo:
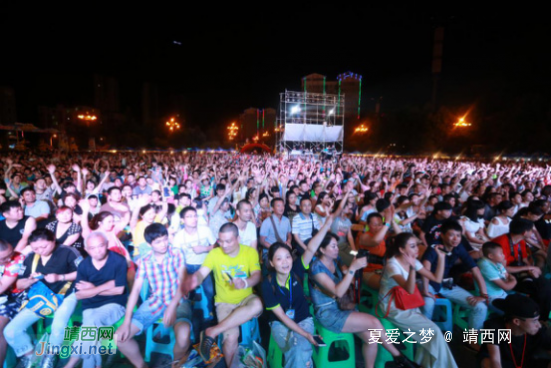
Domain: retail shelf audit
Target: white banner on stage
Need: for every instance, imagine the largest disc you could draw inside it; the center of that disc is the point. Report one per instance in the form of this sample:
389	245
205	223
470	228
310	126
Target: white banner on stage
313	133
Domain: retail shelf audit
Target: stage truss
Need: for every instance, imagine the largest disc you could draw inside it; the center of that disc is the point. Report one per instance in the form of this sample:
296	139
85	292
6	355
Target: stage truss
310	123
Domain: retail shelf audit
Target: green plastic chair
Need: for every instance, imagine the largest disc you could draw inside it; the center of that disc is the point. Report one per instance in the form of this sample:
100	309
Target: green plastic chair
45	324
321	355
383	356
275	355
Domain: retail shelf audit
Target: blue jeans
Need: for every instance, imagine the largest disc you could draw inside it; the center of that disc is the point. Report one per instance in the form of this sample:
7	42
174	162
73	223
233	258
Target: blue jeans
459	296
106	315
208	286
297	350
16	331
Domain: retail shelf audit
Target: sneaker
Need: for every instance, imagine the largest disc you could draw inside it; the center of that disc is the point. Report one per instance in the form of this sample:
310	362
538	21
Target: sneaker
49	361
403	362
205	344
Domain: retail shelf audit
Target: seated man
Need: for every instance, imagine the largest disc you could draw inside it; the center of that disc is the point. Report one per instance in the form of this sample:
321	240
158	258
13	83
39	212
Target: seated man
162	269
275	228
236	271
48	269
519	263
304	226
39	210
527	335
102	287
15	228
10	297
450	233
245	224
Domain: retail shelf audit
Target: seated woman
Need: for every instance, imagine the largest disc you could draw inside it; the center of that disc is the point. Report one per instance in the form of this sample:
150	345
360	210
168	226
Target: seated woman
290	319
323	207
500	224
329	285
473	226
373	241
401	270
66	231
145	213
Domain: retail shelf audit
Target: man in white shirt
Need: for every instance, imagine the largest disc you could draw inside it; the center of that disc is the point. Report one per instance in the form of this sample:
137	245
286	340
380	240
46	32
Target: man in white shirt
247	230
196	241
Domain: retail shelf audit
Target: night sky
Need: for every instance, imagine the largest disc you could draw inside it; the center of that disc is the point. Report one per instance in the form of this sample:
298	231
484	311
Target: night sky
232	61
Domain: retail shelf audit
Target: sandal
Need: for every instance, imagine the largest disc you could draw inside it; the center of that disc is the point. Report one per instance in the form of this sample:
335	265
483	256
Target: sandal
205	345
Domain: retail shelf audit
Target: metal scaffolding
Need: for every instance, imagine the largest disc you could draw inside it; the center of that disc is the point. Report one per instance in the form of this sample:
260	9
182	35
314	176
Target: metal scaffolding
310	123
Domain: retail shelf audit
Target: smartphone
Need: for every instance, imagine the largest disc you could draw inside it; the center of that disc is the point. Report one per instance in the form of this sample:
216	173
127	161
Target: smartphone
436	245
319	341
39	277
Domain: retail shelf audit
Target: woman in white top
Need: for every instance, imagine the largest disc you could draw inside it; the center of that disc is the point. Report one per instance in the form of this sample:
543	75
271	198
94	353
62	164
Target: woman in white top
323	207
473	225
500	224
401	270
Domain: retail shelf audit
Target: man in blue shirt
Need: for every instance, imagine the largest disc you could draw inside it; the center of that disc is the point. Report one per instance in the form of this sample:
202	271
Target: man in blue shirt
101	286
450	234
275	228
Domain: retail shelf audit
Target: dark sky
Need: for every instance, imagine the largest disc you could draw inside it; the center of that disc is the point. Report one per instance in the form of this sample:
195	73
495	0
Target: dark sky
230	61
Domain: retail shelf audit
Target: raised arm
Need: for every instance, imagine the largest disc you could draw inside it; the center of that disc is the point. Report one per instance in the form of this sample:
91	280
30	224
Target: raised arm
338	290
315	242
51	170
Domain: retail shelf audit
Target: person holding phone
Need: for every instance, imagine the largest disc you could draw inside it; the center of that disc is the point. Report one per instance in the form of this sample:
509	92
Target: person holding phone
401	270
289	315
330	284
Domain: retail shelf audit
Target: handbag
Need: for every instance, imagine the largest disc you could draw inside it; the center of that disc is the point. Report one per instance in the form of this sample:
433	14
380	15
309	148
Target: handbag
402	299
41	300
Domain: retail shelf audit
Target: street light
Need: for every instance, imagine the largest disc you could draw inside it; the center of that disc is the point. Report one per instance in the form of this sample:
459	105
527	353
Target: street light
462	123
172	124
361	129
232	131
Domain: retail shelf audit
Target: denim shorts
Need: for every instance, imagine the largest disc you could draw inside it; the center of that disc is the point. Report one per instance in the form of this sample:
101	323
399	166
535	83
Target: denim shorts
332	317
144	317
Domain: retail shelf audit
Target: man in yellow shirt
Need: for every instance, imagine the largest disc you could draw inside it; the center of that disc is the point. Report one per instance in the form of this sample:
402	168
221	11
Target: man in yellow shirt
236	271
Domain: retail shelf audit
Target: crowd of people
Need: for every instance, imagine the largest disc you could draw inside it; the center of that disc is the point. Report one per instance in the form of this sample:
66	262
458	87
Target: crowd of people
96	233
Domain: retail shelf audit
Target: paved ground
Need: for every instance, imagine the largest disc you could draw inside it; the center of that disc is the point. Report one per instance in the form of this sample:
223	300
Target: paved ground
464	357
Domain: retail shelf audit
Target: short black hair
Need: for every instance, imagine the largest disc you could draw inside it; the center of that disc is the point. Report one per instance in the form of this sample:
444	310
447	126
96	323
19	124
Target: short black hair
519	226
8	205
304	198
110	190
183	195
229	227
489	247
26	189
372	215
41	234
450	225
241	203
4	245
154	231
186	210
273	202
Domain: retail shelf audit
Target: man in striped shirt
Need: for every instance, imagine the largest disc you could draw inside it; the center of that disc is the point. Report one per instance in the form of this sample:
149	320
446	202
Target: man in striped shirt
162	269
